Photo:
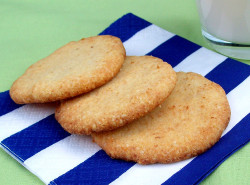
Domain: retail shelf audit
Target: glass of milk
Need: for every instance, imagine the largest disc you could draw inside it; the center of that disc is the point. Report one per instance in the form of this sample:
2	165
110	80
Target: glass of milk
226	26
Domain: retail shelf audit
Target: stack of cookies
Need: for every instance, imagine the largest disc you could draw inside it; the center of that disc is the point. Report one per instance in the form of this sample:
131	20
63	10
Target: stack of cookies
136	108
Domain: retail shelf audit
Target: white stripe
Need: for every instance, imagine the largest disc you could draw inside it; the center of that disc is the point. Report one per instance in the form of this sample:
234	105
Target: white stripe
146	40
201	61
157	174
149	174
61	157
23	117
239	100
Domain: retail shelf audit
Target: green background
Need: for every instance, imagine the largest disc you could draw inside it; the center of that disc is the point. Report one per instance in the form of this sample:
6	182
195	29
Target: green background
30	30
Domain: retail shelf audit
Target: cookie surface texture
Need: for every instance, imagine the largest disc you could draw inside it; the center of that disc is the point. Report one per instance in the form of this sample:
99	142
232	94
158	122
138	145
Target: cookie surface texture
188	123
141	85
76	68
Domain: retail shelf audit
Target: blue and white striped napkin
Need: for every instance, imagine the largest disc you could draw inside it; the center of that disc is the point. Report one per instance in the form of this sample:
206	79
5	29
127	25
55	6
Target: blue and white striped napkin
33	137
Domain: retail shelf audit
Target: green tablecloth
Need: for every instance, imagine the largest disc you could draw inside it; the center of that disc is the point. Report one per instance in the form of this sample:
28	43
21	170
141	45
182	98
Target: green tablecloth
30	30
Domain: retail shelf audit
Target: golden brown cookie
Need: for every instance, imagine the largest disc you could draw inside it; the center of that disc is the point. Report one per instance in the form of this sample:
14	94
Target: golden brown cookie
76	68
189	122
142	84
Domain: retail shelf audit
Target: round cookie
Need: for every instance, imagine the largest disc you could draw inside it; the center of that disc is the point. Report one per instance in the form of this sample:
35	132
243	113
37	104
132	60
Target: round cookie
141	85
189	122
76	68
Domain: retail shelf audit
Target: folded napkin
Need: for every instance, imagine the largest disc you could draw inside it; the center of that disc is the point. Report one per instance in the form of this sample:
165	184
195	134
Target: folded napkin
32	136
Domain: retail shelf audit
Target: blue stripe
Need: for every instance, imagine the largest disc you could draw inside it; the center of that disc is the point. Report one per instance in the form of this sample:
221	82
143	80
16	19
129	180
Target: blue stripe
229	74
35	138
203	165
99	169
7	104
126	27
220	162
174	50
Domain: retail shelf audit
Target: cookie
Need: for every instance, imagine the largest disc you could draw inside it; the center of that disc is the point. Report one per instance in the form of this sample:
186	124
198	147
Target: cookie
76	68
142	84
189	122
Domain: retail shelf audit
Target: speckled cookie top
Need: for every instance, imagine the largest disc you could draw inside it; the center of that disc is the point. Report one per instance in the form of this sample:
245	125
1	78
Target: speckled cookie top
188	123
73	69
142	84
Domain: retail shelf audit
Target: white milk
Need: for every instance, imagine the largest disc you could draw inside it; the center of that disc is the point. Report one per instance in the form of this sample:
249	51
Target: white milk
228	20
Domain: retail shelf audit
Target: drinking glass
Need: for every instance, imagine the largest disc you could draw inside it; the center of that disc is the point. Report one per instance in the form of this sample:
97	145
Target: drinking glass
226	26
